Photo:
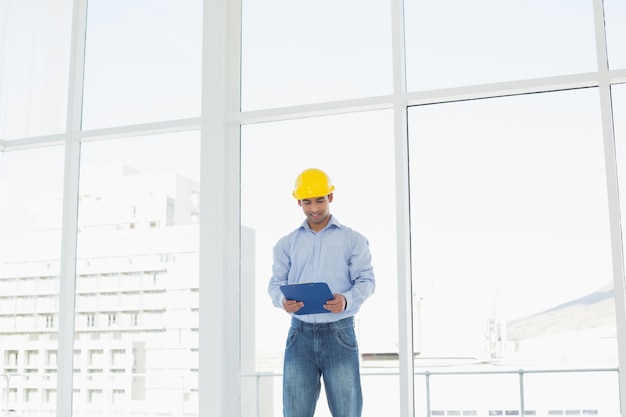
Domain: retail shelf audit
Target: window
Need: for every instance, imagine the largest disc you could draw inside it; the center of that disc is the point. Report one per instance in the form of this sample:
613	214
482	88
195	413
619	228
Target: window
51	358
95	396
331	52
31	184
136	187
11	357
32	357
459	43
510	238
614	13
363	200
148	68
96	357
118	357
34	52
50	395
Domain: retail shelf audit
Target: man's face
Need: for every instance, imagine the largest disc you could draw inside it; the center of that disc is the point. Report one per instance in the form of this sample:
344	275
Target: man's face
317	210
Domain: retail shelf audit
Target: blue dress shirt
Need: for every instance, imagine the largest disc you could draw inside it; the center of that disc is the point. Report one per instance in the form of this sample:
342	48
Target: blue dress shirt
337	255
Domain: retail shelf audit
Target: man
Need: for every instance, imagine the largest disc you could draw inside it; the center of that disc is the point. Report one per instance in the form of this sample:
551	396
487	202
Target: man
322	345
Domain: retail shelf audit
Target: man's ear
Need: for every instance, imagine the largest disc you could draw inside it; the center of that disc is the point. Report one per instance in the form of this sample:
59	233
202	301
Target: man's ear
330	197
300	203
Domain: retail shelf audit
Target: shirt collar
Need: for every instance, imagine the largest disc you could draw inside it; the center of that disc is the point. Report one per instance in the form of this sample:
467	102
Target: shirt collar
333	222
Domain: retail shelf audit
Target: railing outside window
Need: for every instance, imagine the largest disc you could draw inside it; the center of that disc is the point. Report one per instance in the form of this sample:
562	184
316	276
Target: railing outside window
474	393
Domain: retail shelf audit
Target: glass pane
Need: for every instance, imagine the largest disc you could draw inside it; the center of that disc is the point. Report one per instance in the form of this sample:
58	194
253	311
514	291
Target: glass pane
474	395
307	52
505	393
136	339
363	199
34	66
31	191
615	16
570	394
143	61
510	237
455	43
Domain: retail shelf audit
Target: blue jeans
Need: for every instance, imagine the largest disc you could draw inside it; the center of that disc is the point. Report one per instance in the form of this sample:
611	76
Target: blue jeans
327	350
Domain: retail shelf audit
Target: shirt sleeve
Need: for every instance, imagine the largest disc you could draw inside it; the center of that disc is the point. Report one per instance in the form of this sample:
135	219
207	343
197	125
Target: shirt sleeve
361	274
280	272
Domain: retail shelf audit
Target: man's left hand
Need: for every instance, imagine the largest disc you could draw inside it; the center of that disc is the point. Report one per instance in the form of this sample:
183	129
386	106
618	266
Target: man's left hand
337	304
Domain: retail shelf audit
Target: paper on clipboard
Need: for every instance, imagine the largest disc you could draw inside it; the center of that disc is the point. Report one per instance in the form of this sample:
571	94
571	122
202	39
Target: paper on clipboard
313	294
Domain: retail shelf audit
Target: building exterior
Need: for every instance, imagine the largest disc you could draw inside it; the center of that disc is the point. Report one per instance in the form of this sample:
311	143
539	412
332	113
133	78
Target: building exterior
137	296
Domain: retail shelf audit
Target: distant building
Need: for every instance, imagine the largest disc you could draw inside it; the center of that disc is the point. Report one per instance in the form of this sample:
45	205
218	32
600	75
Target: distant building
137	298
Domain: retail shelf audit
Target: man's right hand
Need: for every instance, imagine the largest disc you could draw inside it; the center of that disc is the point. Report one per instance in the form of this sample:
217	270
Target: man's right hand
291	306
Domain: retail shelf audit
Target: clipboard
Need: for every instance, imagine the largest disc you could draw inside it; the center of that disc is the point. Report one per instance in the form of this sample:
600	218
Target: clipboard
313	294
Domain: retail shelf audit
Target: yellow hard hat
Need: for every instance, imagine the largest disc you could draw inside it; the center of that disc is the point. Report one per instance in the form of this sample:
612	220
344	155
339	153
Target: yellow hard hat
312	183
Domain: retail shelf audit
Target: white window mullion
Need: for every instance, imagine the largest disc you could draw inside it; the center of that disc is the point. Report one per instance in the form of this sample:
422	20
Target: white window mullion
610	158
67	286
403	235
219	334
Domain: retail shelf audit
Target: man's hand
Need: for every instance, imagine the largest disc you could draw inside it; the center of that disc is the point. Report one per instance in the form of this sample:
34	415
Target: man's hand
337	304
291	306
